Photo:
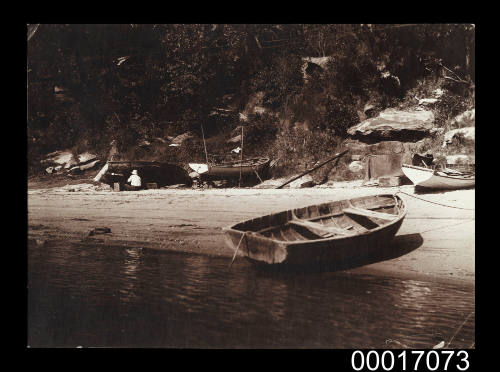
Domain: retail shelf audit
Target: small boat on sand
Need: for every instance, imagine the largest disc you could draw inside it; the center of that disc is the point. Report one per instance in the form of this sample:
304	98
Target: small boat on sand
434	179
150	172
338	231
231	169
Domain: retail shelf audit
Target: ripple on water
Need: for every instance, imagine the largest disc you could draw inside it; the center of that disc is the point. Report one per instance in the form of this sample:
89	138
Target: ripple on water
144	298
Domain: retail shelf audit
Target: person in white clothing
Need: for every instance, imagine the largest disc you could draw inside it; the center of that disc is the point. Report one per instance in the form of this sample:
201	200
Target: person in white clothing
134	180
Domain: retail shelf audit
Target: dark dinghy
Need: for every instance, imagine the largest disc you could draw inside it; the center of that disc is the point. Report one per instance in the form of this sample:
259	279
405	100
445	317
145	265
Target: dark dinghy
341	231
233	168
163	174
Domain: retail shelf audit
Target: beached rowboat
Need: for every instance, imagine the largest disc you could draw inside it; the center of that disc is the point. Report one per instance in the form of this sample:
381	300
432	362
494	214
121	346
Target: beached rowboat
433	179
233	168
340	231
230	169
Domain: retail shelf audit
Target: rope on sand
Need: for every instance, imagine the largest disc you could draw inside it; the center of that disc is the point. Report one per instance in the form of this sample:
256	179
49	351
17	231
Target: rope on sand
428	201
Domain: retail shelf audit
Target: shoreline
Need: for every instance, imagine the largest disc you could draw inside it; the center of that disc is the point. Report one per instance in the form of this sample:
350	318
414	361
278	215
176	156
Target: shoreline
191	221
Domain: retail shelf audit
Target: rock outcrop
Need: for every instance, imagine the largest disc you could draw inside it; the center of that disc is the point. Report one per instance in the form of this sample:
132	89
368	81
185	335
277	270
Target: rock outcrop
66	159
356	166
382	159
468	133
392	124
63	157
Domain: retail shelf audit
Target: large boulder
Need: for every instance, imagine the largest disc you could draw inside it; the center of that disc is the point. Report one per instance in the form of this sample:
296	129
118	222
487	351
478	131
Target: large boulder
86	157
392	124
356	147
360	150
356	166
468	133
64	158
387	148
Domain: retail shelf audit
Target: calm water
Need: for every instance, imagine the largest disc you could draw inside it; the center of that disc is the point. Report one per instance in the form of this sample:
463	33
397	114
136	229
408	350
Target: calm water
119	297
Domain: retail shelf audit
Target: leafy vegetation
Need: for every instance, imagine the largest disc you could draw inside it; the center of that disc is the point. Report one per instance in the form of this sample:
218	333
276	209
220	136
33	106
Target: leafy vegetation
91	84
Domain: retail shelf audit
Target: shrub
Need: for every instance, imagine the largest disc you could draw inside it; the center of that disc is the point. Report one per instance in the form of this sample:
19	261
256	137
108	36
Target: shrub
297	149
259	133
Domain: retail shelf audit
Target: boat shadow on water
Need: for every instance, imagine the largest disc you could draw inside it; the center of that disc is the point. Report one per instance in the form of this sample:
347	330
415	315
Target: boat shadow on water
399	246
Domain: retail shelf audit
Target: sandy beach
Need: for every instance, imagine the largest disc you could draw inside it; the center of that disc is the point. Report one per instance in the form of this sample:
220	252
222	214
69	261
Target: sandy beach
192	220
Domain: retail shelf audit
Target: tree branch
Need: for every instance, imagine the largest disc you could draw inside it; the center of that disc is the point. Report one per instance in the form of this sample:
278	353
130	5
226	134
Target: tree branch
454	73
457	81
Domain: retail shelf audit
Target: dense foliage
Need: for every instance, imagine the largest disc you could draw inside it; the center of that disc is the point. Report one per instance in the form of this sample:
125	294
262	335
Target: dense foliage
90	84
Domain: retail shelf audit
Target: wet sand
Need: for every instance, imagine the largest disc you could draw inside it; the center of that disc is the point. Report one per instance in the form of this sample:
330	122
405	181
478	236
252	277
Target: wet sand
192	220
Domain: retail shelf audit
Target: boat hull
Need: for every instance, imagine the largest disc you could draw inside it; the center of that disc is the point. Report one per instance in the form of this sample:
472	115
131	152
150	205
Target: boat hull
150	172
234	169
428	178
366	246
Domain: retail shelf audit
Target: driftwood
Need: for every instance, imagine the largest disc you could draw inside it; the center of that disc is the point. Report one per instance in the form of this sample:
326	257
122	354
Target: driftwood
337	156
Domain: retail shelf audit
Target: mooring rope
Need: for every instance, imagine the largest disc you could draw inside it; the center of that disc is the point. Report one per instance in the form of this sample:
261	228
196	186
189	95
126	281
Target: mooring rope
459	328
428	201
237	247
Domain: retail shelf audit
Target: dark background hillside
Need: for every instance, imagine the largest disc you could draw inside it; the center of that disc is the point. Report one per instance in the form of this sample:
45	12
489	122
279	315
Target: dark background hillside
91	84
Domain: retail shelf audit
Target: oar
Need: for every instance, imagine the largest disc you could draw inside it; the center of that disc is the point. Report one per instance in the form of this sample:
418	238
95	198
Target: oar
310	170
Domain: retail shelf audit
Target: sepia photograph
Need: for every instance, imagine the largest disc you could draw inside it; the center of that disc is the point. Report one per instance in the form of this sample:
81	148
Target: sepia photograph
252	186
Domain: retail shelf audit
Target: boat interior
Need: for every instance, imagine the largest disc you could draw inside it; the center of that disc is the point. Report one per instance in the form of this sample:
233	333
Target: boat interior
329	220
455	174
245	163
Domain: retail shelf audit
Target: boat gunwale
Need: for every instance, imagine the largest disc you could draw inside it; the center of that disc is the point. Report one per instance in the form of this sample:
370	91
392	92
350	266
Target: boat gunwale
259	162
464	178
417	168
401	215
139	163
434	172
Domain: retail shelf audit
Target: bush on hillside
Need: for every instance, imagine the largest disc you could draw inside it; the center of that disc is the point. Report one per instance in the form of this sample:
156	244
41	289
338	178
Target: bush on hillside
297	149
259	133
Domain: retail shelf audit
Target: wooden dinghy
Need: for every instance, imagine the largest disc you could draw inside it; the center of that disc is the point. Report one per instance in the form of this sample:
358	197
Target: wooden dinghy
150	172
233	168
433	179
340	231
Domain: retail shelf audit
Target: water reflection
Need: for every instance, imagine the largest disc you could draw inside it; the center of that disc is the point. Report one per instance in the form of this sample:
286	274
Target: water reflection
131	261
143	298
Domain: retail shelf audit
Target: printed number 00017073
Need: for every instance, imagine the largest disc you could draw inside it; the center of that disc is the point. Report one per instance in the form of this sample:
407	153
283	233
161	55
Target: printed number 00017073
432	361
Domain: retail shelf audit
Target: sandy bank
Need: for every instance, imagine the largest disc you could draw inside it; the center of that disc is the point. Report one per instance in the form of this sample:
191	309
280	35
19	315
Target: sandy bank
191	221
